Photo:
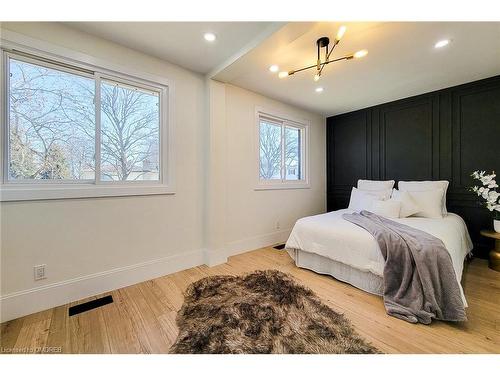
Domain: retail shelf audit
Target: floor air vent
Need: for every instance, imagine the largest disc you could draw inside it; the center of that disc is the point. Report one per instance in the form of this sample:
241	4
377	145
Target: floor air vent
82	307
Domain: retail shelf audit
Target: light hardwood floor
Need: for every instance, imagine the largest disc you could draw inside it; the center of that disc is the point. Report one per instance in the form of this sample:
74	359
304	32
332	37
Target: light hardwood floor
142	317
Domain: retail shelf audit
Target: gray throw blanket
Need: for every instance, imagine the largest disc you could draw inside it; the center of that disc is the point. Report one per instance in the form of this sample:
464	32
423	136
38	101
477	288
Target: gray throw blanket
419	279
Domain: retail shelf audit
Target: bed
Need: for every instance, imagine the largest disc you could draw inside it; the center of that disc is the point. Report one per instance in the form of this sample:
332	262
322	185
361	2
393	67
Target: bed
328	244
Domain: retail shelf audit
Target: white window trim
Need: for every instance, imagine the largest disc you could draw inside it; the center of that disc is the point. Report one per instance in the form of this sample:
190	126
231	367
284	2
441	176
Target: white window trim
12	42
294	121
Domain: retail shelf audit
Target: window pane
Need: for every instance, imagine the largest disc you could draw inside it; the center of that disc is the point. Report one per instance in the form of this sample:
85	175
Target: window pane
270	151
292	154
51	124
130	133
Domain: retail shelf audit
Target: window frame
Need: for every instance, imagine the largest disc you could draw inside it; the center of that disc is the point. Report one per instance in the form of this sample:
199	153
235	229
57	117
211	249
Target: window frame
284	120
76	63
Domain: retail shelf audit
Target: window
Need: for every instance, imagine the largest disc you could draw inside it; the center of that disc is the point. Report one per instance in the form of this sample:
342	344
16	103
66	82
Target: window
282	152
67	126
130	133
51	124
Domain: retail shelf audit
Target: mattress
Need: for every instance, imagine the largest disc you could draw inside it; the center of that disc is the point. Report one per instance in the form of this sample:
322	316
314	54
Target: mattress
329	244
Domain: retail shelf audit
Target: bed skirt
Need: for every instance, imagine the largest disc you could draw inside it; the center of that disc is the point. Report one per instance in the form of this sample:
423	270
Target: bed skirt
363	280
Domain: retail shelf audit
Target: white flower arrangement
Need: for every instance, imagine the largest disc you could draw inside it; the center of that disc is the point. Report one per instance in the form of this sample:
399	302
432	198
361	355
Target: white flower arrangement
488	191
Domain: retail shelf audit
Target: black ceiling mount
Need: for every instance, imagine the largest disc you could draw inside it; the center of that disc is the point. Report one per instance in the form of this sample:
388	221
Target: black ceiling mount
323	42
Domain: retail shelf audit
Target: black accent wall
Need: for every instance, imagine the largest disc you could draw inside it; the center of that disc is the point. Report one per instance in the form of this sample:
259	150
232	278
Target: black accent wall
440	135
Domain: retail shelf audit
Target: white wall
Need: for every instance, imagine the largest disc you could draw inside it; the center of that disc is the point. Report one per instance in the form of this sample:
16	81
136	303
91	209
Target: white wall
94	245
81	237
247	218
254	213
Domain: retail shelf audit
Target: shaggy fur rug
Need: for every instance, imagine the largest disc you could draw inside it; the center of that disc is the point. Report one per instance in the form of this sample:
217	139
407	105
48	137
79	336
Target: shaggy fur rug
263	312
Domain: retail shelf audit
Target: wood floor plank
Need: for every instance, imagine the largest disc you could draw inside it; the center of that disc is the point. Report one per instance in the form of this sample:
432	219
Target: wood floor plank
33	336
142	317
137	324
9	333
169	326
155	296
148	325
173	293
87	332
58	330
121	335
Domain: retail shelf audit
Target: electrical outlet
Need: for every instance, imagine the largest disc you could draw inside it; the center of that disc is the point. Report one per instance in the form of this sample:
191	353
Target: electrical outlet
39	272
278	226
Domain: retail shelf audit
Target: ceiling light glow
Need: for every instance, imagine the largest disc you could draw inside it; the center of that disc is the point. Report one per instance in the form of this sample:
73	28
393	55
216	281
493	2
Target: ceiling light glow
283	74
442	43
319	89
274	68
341	32
360	54
209	37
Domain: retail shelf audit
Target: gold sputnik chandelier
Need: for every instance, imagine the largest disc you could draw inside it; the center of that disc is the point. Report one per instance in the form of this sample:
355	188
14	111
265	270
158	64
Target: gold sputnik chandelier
324	42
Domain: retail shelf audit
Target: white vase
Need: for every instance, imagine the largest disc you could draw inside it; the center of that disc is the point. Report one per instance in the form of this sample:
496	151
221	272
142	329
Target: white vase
496	225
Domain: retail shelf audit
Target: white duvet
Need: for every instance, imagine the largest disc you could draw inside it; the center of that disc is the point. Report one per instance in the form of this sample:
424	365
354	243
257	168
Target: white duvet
330	236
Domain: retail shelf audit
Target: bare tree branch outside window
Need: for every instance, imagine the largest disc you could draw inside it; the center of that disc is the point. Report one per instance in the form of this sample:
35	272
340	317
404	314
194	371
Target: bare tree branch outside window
44	141
270	151
292	154
52	127
271	154
130	133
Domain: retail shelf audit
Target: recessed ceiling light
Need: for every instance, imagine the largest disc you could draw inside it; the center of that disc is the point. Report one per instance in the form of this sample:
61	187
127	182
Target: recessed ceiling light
319	89
209	37
274	68
442	43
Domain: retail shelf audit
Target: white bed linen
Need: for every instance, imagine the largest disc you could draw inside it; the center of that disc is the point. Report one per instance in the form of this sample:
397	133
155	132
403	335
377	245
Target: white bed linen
330	236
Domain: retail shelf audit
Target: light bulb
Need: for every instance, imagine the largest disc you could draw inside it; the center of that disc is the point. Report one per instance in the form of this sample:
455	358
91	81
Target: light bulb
361	53
316	77
341	32
274	68
209	37
283	74
442	43
319	89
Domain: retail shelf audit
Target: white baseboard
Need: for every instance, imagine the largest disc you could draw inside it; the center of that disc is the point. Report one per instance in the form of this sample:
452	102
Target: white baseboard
215	257
18	304
15	305
241	246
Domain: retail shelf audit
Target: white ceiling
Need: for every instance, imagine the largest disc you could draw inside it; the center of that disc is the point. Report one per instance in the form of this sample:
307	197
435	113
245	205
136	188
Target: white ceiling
182	43
401	62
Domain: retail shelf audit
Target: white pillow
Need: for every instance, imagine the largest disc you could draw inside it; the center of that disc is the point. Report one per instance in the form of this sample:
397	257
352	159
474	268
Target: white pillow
363	200
389	208
429	203
372	185
426	185
408	205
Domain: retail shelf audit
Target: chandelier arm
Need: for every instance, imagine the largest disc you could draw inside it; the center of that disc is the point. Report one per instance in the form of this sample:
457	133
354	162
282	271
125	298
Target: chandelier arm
347	57
318	60
328	57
